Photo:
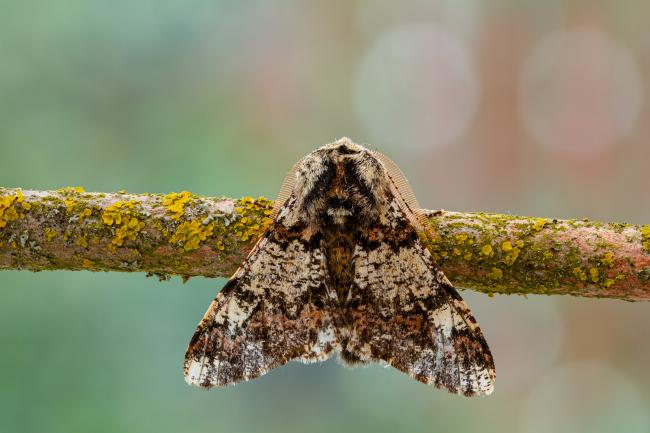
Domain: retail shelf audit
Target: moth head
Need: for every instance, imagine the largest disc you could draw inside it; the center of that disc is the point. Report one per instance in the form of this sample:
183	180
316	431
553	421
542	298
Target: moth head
341	182
343	146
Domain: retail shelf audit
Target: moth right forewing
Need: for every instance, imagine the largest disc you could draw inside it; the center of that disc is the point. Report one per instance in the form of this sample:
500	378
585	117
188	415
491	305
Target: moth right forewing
402	188
408	315
288	184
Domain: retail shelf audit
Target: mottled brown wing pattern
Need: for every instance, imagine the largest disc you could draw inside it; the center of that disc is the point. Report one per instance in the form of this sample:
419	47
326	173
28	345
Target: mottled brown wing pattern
274	309
406	313
342	269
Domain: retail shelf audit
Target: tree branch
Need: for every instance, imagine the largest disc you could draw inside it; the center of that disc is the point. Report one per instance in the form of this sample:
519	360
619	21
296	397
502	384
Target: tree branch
188	235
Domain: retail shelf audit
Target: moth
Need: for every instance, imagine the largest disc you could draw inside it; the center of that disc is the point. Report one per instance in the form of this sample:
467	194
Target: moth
342	270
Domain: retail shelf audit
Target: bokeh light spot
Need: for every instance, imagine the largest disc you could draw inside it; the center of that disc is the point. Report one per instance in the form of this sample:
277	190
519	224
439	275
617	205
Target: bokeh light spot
580	92
416	87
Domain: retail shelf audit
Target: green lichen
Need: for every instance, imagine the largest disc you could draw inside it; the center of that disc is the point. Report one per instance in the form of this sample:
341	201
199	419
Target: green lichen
644	275
82	242
495	274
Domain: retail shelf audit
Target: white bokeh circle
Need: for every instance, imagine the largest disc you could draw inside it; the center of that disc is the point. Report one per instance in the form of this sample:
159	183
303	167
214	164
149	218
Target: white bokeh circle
580	92
584	397
416	87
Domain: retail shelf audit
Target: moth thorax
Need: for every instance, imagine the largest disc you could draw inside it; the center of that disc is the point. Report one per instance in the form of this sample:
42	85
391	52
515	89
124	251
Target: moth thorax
339	215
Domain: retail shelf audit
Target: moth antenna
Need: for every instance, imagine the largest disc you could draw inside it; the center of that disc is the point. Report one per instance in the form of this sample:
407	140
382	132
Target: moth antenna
403	188
285	190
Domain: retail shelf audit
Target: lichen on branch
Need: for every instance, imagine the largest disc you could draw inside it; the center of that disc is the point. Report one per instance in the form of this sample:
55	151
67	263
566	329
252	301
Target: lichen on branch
189	235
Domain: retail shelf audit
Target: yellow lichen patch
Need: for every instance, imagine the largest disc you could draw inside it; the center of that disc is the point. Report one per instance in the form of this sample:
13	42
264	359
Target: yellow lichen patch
487	250
190	234
607	260
8	211
175	203
85	213
608	282
128	230
87	263
511	257
645	238
82	242
580	274
71	189
8	207
593	273
511	253
50	233
69	204
538	223
70	194
122	214
495	274
117	211
20	199
254	219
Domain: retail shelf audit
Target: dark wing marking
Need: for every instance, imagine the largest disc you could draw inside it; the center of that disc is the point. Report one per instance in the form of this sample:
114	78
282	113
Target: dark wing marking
274	309
406	313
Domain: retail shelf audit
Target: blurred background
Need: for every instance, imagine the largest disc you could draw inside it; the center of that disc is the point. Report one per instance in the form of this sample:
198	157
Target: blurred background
524	107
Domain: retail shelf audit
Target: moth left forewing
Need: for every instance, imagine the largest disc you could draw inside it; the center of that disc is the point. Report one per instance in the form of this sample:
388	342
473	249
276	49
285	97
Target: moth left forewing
274	309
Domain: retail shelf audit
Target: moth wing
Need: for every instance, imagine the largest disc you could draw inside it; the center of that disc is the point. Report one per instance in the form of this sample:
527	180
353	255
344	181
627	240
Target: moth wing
406	313
270	312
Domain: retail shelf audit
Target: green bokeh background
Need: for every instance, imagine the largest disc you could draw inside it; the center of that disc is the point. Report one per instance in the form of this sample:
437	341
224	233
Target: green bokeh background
221	98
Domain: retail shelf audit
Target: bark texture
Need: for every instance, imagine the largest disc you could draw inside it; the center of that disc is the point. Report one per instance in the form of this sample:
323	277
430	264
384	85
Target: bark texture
188	235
